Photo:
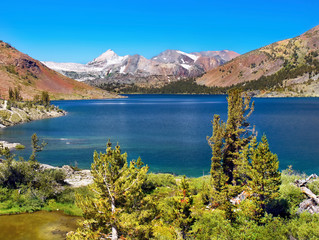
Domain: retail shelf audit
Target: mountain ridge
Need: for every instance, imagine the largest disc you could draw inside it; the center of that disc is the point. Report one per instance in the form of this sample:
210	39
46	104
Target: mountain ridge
170	65
289	58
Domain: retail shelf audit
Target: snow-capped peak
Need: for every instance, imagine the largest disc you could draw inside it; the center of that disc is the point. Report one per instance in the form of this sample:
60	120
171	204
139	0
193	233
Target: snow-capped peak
106	56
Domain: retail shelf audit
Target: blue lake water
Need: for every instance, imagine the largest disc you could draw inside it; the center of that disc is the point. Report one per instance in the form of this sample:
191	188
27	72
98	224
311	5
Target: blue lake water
169	131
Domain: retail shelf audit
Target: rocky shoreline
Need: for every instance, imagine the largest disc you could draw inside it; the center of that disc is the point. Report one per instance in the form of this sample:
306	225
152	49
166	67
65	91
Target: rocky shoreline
74	178
26	112
6	144
276	94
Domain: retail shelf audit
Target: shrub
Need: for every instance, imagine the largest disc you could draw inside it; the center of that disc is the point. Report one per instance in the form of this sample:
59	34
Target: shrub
154	181
20	147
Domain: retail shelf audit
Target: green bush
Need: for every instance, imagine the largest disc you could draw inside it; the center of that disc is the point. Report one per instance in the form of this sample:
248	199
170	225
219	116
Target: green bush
154	181
291	194
314	186
212	225
304	227
20	147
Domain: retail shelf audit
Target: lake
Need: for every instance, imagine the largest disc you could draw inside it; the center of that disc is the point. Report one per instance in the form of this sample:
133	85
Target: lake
169	131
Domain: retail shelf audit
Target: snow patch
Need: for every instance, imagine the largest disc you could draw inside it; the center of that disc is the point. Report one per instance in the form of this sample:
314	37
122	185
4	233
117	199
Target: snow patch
186	66
194	57
76	67
122	69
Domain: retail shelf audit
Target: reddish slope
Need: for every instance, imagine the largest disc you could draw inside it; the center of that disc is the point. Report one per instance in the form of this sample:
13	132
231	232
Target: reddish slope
32	77
264	61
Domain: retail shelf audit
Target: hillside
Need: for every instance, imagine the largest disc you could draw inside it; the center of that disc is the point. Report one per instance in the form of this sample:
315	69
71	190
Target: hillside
31	77
288	63
168	66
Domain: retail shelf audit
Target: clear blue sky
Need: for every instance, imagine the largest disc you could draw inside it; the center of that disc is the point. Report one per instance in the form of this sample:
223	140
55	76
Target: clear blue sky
78	31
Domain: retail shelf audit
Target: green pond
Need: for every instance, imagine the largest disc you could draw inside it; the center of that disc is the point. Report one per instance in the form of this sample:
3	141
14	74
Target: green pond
36	226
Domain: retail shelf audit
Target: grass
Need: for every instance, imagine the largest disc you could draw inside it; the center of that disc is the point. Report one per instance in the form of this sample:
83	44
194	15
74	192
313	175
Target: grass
68	208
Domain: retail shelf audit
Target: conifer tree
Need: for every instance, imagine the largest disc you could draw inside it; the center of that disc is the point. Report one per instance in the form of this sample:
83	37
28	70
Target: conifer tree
36	146
218	178
264	176
17	95
185	202
45	98
237	134
11	94
117	193
227	141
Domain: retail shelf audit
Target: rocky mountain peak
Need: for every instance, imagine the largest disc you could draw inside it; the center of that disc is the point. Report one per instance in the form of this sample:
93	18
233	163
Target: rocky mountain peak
175	56
105	57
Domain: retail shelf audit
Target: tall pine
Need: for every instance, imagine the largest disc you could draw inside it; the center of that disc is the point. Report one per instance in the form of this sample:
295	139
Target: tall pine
218	178
228	140
237	134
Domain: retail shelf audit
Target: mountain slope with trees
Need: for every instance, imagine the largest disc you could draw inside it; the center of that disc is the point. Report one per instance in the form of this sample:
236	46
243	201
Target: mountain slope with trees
282	65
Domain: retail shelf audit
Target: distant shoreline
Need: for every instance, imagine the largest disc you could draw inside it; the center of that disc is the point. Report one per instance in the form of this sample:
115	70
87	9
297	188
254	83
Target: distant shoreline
251	94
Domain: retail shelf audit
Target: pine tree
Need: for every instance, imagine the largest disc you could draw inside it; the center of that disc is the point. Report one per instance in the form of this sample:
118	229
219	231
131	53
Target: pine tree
218	178
11	94
185	201
117	194
36	146
17	95
237	134
264	176
228	140
45	98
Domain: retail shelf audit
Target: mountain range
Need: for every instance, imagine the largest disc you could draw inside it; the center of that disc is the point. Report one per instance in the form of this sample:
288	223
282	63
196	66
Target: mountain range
170	65
18	70
291	64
